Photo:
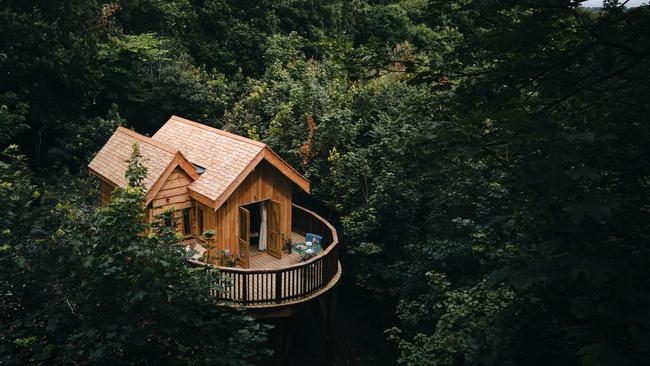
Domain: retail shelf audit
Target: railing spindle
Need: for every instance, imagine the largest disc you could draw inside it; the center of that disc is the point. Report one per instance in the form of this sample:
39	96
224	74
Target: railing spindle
282	285
278	287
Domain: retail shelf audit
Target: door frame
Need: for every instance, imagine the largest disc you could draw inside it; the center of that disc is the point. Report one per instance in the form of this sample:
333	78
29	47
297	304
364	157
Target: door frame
277	235
274	234
243	259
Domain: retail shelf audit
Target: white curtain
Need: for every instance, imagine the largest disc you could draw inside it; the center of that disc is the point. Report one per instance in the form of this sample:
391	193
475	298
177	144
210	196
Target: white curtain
262	243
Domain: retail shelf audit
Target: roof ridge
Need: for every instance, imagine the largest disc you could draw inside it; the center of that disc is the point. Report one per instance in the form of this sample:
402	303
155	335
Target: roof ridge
147	140
216	130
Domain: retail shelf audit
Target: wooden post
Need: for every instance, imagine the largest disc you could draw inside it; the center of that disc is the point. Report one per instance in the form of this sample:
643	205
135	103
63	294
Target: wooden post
278	286
330	325
245	288
278	342
289	335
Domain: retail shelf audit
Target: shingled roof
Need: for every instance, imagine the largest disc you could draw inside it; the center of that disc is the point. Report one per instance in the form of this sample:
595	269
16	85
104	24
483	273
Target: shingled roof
227	158
110	162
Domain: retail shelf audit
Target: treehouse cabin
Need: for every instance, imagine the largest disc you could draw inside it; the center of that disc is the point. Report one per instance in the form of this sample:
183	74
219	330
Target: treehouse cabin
242	191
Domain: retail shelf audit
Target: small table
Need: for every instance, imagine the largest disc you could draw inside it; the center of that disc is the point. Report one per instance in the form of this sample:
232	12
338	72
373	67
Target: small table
316	248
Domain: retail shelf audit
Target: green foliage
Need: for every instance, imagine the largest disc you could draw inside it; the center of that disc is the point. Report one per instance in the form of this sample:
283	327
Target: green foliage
210	244
301	107
12	120
531	184
147	75
144	289
472	152
29	257
49	48
18	193
135	170
117	297
79	143
468	325
486	158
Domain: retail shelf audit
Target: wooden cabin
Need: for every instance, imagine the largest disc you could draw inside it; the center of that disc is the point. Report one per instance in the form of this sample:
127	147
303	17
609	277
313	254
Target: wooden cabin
213	180
240	189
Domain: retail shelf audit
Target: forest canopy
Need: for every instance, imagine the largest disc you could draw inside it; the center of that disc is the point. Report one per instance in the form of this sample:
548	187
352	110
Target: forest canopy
487	161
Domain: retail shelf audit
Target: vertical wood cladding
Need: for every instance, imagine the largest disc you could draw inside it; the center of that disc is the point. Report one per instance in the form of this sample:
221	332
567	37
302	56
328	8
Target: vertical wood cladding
265	182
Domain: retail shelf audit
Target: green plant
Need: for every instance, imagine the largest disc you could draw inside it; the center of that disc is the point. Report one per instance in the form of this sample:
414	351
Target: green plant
286	244
106	294
229	260
210	243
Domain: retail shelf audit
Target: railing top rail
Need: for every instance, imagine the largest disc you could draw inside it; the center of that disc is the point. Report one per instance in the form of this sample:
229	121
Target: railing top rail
324	253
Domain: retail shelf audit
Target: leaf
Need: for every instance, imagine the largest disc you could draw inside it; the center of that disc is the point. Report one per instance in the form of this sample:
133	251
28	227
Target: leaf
601	354
584	172
468	151
139	295
588	137
597	211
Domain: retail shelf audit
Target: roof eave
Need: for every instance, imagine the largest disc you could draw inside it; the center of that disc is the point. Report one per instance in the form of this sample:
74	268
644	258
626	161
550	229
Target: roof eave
240	178
178	161
273	159
201	198
286	169
92	171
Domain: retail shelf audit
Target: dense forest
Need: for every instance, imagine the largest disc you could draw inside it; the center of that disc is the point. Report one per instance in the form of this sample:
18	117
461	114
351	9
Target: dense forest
487	161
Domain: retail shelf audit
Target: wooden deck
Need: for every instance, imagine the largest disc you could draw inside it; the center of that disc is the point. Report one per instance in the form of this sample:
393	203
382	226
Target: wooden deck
262	286
266	261
272	282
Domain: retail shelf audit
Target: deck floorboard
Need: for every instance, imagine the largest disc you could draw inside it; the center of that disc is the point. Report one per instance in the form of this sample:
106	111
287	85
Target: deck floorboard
267	261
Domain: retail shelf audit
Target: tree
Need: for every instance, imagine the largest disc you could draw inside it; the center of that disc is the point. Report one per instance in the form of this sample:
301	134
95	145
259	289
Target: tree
129	298
486	159
48	47
548	129
487	171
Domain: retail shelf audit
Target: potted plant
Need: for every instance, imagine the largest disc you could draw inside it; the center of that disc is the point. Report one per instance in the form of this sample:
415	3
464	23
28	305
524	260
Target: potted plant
286	244
209	241
229	260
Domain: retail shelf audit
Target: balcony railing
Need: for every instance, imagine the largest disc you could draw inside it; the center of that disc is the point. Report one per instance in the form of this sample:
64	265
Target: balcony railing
270	287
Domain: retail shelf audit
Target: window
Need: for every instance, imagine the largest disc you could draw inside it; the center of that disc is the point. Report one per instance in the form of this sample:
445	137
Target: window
187	227
199	220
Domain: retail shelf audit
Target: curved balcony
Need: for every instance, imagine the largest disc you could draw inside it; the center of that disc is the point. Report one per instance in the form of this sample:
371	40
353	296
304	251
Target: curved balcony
274	282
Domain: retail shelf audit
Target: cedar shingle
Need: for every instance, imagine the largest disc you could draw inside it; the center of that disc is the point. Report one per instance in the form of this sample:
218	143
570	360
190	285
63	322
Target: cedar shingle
110	161
223	155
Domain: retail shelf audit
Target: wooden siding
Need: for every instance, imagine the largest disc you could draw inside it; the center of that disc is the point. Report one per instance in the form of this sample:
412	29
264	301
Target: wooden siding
105	190
179	165
174	194
264	182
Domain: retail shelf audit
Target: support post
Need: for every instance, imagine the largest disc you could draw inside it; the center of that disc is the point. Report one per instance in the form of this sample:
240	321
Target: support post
278	286
330	325
245	288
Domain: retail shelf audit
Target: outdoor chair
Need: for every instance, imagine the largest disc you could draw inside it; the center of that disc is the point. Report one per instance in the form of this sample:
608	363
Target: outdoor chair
313	239
197	252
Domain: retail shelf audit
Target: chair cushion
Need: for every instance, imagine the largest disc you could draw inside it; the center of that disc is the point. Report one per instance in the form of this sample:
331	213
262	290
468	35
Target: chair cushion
198	251
313	238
